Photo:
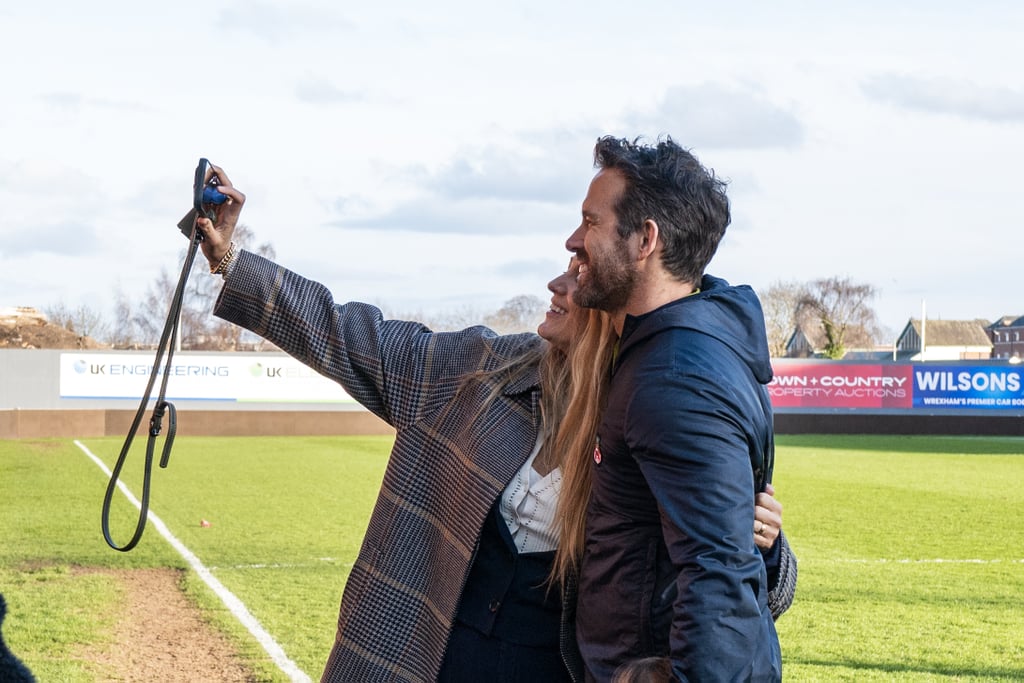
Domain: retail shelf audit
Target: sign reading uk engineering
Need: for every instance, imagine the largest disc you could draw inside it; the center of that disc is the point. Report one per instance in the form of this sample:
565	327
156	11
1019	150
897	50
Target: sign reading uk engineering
267	378
896	386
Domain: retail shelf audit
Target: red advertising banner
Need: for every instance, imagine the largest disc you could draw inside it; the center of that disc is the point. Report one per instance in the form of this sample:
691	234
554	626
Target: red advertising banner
835	385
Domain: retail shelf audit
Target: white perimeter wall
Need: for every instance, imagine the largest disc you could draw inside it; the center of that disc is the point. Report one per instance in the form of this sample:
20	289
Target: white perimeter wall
45	379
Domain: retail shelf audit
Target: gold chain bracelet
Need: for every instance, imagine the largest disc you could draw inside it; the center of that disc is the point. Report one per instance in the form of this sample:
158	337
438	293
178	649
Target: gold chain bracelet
222	267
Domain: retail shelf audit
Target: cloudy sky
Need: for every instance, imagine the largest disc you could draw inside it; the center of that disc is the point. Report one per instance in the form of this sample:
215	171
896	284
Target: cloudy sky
433	156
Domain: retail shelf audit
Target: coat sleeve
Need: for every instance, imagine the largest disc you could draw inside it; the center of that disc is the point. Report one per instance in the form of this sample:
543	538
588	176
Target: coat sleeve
397	369
780	593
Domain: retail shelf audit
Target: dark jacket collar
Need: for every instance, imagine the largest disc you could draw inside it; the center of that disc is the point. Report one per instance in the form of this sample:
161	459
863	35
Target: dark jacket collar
730	314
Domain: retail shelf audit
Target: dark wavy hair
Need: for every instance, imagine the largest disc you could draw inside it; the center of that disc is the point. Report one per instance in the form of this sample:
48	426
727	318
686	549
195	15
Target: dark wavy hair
667	184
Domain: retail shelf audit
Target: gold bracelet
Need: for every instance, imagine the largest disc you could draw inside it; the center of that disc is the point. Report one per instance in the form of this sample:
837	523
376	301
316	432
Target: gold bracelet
222	267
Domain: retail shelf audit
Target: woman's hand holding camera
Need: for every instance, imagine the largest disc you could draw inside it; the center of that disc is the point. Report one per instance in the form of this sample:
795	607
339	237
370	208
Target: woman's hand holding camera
217	242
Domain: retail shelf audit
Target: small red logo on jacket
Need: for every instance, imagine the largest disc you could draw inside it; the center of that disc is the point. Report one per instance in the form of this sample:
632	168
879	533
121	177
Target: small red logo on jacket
597	452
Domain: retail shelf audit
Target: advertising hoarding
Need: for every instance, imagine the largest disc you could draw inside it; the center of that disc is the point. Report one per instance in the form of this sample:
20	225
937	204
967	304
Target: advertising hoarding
896	386
215	377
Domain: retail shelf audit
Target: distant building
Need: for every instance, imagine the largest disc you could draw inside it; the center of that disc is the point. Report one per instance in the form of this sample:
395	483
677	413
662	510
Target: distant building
944	340
804	344
809	340
1007	336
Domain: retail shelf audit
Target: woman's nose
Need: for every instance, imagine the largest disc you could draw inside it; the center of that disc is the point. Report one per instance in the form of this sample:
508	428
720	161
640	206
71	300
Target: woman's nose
559	284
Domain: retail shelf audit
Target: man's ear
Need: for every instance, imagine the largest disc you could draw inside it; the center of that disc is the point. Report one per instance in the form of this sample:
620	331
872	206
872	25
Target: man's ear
648	242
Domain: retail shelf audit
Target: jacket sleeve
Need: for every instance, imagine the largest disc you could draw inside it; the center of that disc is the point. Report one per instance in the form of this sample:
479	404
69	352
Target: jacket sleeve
397	369
782	590
688	433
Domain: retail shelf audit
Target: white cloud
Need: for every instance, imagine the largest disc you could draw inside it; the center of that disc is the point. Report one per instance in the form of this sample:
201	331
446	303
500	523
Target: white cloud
320	91
998	104
274	22
713	115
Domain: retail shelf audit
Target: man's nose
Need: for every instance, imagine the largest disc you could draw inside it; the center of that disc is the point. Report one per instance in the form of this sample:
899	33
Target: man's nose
575	241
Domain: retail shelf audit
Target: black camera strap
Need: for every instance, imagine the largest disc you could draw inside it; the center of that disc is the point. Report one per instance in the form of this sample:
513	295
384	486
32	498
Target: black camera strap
168	340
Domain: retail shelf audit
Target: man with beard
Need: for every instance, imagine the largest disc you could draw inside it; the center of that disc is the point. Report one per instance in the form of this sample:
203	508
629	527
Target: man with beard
686	439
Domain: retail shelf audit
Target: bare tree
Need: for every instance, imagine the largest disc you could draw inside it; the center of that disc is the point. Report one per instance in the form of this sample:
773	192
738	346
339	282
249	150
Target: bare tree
780	303
838	308
451	320
147	319
200	329
83	320
124	333
142	324
519	314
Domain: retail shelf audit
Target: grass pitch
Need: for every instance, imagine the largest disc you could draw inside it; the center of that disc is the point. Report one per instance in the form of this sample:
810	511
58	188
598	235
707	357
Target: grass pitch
910	549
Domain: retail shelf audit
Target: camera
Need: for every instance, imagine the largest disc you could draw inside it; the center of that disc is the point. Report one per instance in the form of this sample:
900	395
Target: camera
204	189
204	196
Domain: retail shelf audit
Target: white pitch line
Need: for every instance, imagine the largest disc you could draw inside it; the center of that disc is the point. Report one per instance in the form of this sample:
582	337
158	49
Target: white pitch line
233	604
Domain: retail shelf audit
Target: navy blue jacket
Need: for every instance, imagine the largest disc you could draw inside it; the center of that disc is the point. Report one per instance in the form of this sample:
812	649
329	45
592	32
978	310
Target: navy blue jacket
670	566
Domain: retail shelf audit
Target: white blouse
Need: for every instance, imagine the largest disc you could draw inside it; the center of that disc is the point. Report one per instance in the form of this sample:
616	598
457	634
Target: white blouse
528	506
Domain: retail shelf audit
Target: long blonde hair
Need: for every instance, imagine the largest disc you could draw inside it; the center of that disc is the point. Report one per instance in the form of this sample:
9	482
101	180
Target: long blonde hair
589	361
573	388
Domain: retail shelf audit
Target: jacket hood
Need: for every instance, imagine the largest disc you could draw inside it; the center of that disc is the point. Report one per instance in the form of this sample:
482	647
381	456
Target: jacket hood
730	314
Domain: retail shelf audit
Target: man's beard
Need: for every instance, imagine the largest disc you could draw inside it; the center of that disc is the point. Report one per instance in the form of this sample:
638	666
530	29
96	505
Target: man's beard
607	287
